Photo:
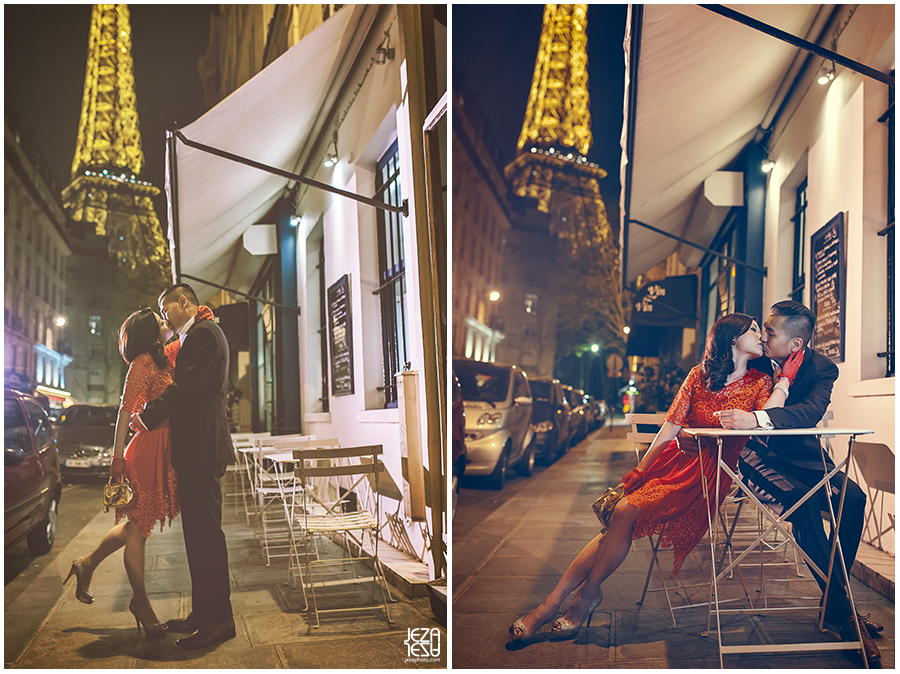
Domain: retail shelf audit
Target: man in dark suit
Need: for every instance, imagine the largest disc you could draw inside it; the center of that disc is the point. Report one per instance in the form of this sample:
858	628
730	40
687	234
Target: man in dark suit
784	468
201	449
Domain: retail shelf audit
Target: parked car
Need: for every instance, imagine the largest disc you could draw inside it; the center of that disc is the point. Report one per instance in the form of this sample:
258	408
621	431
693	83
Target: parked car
85	435
579	414
458	458
550	417
31	485
600	410
498	403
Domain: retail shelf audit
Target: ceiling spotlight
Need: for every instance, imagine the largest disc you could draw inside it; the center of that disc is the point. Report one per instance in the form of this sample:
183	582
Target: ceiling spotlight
767	165
331	157
826	74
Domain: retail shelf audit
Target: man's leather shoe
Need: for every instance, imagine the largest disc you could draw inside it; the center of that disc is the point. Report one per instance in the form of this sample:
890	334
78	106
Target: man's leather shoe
210	635
848	633
872	627
188	625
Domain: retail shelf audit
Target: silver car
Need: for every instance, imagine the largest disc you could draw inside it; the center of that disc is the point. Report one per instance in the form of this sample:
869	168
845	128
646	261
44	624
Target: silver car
85	437
499	434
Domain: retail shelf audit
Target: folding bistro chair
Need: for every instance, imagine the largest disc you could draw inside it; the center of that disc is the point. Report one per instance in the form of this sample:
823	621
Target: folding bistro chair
274	527
638	438
241	483
325	510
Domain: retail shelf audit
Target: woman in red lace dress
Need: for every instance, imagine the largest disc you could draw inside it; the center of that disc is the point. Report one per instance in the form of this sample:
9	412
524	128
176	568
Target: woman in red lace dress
664	493
145	462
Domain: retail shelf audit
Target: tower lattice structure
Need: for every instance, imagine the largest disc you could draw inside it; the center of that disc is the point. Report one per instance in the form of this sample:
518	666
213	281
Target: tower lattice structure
105	189
551	164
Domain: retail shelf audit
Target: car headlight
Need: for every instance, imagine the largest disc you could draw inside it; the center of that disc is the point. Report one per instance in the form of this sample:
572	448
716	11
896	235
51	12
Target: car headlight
544	427
489	418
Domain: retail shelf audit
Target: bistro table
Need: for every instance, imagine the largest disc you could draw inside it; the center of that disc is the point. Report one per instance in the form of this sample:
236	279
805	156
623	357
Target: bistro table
777	522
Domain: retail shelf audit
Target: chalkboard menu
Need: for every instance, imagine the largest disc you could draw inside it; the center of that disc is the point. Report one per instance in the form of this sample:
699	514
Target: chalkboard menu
340	337
828	264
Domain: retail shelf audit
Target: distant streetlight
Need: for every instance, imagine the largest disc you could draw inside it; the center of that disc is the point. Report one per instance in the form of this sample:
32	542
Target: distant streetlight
60	321
626	330
595	348
494	296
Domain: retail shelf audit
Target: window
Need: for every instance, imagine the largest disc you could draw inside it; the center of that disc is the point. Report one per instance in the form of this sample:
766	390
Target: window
392	273
94	325
799	244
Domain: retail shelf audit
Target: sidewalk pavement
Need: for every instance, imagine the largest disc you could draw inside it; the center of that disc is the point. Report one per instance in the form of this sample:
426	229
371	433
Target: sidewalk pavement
273	631
510	561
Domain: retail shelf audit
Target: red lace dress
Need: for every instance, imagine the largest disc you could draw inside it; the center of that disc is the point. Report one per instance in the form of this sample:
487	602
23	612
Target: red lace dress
147	457
671	499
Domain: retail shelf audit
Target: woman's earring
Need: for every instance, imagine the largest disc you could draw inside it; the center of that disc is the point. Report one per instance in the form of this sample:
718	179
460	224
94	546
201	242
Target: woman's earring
733	342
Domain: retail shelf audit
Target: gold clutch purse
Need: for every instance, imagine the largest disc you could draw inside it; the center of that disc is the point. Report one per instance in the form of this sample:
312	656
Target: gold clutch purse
117	494
606	504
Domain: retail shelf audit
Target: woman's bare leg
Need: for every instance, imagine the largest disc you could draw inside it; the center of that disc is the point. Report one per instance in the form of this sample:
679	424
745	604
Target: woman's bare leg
610	555
114	539
573	577
134	566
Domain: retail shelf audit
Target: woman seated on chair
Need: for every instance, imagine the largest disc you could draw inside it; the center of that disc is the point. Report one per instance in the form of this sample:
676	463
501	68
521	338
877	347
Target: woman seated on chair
663	494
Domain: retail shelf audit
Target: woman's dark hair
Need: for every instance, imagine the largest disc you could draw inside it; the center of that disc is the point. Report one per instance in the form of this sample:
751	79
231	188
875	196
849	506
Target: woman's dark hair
717	362
140	334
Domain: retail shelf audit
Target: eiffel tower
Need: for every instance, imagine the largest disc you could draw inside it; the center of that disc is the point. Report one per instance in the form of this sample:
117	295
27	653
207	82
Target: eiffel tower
105	189
551	164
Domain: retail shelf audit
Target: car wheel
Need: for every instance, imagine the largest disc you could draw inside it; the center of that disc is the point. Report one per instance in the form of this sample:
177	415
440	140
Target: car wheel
548	456
498	477
526	465
40	540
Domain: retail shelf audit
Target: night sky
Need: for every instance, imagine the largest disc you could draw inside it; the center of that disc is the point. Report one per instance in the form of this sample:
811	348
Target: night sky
494	48
45	53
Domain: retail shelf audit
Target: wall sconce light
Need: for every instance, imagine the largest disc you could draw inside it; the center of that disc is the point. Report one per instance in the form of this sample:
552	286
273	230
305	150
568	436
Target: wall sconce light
767	165
331	157
626	330
826	74
295	220
494	296
60	321
384	53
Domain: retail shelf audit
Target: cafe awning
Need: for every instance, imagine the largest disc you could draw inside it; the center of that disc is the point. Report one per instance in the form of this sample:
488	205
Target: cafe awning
273	119
703	84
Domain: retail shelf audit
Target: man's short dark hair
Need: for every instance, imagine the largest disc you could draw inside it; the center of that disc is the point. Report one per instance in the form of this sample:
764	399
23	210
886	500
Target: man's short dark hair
799	321
181	289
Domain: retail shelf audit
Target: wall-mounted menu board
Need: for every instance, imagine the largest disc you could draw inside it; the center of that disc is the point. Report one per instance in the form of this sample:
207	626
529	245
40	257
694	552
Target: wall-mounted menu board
828	273
340	337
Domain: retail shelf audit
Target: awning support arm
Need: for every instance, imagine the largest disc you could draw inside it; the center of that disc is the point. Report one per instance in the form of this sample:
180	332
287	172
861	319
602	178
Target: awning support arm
855	66
403	209
293	310
695	245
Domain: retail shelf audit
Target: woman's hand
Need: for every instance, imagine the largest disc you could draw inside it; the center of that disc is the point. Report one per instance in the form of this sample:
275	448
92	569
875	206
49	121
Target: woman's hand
117	469
792	365
687	443
633	480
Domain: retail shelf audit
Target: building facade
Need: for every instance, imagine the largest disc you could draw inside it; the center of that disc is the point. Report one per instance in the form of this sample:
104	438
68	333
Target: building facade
480	229
36	247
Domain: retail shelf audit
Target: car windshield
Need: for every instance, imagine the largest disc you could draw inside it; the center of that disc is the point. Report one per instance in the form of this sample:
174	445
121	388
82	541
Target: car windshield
89	416
482	381
540	391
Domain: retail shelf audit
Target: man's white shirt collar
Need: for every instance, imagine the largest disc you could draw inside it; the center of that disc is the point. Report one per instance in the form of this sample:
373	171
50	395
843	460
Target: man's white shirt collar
184	328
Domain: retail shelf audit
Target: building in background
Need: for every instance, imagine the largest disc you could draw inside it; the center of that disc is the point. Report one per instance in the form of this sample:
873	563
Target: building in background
480	229
36	247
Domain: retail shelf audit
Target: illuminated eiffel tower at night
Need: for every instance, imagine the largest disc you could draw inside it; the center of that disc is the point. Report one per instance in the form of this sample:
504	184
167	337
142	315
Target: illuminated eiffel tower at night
106	189
551	164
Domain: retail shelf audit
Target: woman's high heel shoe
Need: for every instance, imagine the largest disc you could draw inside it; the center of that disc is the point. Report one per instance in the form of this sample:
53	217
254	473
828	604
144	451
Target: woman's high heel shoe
518	632
82	594
564	628
156	631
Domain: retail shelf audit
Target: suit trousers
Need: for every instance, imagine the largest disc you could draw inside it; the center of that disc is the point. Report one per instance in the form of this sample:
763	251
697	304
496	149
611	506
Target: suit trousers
785	484
200	491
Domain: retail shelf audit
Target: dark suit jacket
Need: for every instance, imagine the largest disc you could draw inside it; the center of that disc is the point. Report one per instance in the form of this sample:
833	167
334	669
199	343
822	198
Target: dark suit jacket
195	401
810	395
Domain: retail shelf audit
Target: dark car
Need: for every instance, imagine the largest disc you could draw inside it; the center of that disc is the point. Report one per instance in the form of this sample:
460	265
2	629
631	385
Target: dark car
458	460
85	436
598	405
580	417
32	489
550	418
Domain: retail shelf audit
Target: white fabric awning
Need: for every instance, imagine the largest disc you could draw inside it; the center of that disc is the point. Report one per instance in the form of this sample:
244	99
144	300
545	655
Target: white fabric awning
269	120
704	85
